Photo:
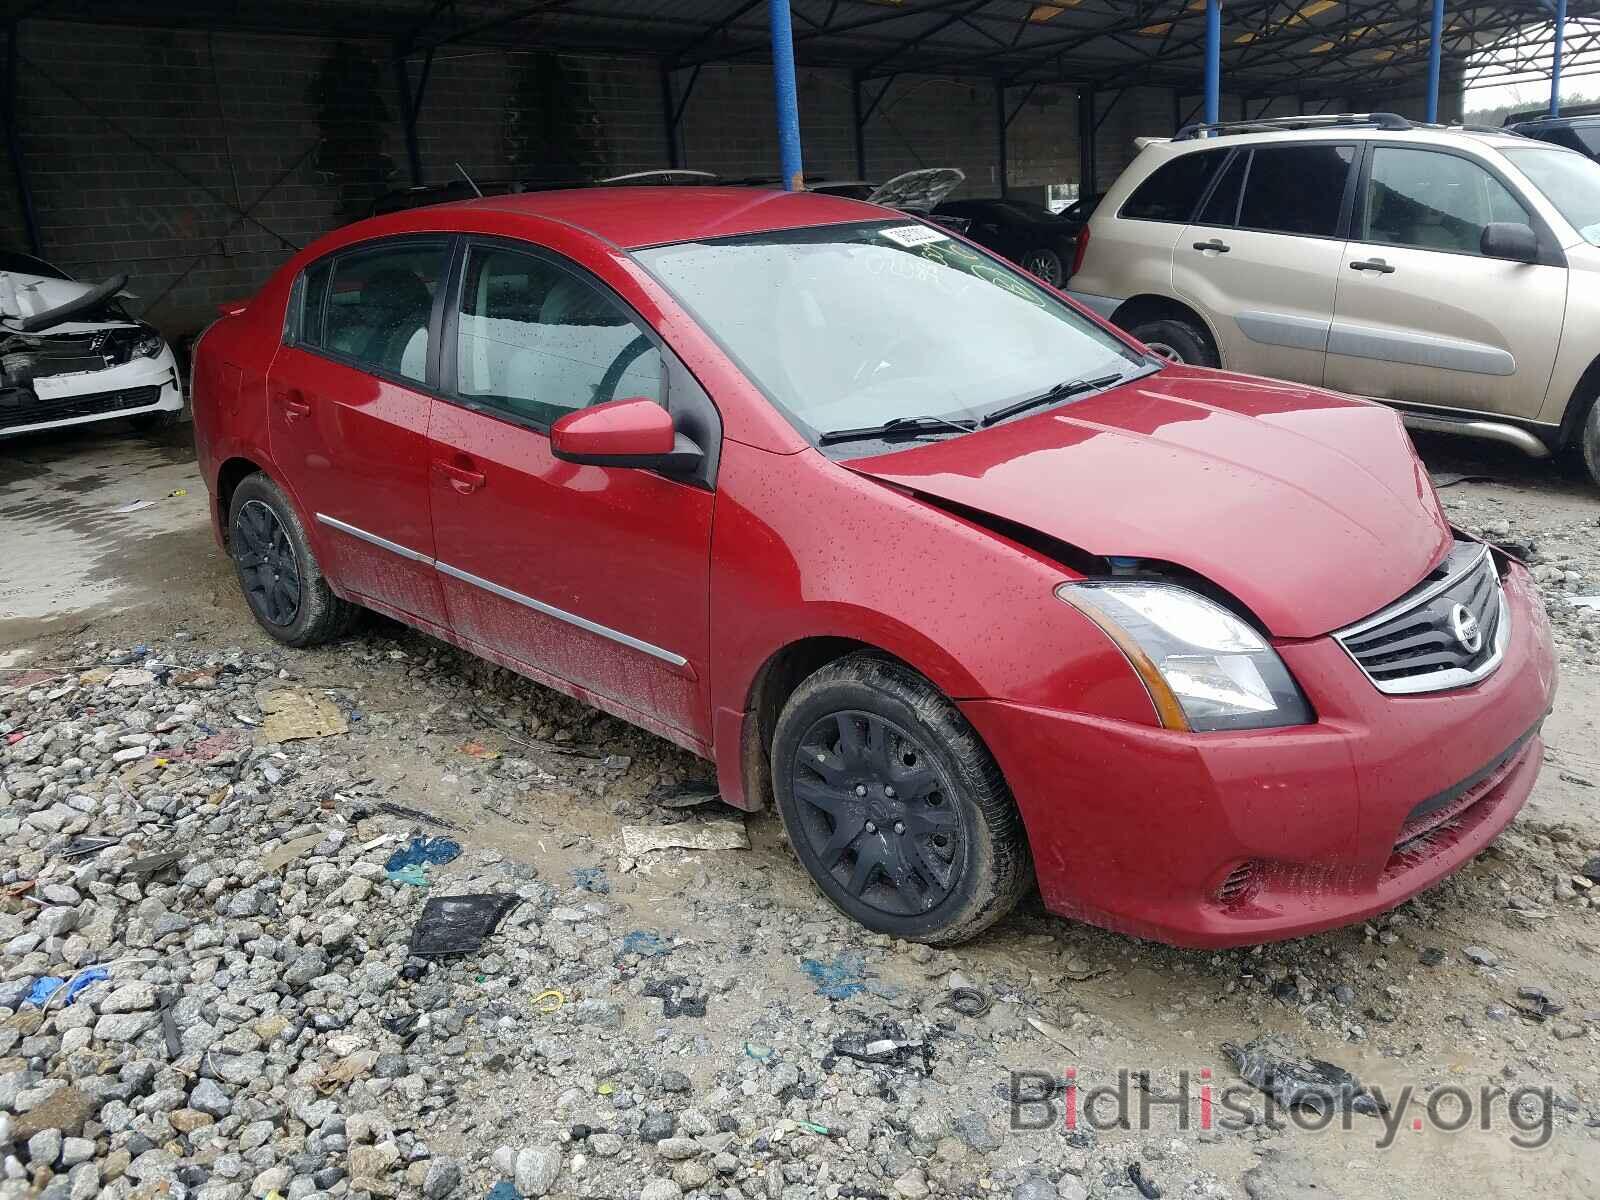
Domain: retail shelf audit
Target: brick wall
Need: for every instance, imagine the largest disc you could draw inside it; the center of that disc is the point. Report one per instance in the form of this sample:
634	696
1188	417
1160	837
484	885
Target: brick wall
144	145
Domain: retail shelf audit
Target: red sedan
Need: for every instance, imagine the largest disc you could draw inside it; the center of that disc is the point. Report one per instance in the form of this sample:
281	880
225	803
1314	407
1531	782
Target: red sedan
967	582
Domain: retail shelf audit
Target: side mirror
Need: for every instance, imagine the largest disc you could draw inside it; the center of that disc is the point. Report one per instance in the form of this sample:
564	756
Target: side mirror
1510	240
624	433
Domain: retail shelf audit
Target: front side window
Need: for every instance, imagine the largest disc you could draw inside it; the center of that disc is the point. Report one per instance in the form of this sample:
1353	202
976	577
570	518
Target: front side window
537	341
848	327
1173	191
1433	201
1296	189
1569	181
378	306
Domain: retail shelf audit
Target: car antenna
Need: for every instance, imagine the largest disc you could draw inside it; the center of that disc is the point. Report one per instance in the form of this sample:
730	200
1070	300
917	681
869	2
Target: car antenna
470	182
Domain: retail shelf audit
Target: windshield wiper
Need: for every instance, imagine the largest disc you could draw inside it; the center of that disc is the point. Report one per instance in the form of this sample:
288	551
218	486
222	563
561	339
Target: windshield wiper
898	427
1061	391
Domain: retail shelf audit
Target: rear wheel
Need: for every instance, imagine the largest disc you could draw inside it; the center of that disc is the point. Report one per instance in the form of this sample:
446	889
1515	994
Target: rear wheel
894	806
1046	264
282	583
1178	339
1589	441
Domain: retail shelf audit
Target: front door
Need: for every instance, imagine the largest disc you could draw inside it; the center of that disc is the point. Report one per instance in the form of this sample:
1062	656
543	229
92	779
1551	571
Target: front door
1421	315
1262	257
348	419
595	575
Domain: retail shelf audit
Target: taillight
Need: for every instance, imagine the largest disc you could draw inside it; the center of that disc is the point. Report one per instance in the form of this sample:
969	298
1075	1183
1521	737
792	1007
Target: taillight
1080	250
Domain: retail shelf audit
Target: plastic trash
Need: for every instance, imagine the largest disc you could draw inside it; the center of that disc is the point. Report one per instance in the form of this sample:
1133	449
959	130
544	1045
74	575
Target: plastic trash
1147	1186
423	851
840	977
678	998
504	1190
645	943
592	879
969	1002
43	988
415	814
458	924
415	874
1308	1083
883	1045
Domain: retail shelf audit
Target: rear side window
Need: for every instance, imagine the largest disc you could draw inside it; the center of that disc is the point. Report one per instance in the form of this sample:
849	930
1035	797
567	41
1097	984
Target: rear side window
1296	189
378	306
537	341
1173	191
1222	206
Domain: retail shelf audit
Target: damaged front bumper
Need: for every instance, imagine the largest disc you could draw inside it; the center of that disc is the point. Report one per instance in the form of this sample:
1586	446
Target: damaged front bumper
142	385
1229	839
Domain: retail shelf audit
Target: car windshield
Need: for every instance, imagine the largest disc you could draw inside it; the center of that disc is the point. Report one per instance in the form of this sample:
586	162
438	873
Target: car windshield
1569	181
853	326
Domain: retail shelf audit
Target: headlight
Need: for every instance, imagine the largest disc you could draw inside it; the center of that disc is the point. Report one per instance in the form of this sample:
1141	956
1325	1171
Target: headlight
1204	668
148	345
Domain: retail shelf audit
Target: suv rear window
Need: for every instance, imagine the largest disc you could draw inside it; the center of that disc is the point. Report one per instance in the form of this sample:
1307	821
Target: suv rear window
1296	189
1174	189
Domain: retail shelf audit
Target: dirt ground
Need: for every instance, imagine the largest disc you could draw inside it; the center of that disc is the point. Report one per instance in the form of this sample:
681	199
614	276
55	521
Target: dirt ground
1395	1001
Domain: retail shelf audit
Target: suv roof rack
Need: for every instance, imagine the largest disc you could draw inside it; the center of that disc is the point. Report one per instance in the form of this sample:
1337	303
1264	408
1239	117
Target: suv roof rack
1377	120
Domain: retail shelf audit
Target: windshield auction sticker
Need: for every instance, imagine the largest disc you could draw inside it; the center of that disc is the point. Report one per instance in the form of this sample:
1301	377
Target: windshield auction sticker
913	235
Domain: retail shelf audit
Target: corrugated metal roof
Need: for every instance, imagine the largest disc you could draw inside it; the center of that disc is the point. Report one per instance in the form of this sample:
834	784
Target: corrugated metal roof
1269	46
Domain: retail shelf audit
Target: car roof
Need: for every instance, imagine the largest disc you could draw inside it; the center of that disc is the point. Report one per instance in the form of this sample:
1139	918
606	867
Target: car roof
1420	134
633	217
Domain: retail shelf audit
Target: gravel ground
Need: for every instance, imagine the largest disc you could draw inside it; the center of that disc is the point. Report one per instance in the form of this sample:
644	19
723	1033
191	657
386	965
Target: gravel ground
696	1022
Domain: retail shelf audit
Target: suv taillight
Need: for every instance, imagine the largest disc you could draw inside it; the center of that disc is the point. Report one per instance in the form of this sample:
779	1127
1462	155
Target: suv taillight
1081	249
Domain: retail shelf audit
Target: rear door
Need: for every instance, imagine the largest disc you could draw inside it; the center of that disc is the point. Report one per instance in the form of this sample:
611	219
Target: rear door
596	575
1422	316
348	415
1261	258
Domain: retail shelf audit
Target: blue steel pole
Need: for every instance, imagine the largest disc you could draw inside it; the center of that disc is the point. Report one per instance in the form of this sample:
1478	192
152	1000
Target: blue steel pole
783	85
1213	61
1555	61
1435	46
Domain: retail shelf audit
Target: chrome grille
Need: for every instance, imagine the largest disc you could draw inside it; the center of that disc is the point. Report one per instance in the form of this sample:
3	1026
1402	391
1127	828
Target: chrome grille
1448	632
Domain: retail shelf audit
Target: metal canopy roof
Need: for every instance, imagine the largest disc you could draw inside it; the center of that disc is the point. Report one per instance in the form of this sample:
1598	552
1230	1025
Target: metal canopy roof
1269	47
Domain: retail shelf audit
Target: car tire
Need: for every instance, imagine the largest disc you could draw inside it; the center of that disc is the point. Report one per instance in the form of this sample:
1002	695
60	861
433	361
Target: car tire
1589	441
936	860
278	573
1044	263
1178	339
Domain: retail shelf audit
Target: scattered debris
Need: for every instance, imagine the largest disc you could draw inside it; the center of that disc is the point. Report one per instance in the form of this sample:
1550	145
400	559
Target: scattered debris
1584	601
549	1001
289	851
1479	956
592	879
969	1002
1446	479
421	852
1052	1032
725	834
645	943
1542	1002
294	716
84	847
458	924
885	1045
678	998
1147	1186
415	814
153	864
843	976
1309	1083
133	506
684	795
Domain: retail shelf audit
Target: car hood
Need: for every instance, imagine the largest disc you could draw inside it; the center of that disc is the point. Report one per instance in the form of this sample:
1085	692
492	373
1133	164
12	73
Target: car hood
1311	508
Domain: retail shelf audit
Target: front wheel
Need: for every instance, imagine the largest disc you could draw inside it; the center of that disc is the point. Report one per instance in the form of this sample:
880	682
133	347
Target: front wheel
894	805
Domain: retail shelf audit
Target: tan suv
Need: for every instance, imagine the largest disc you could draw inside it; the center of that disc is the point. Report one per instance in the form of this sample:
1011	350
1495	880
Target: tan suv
1451	272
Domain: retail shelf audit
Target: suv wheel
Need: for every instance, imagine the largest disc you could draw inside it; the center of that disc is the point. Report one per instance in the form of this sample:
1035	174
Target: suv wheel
282	582
1179	339
894	805
1589	440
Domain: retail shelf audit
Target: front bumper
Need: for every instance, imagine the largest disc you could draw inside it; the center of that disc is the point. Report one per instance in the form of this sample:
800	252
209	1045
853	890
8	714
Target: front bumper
1215	840
142	386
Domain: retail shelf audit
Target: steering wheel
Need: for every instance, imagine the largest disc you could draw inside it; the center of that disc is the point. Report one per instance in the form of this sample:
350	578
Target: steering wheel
607	387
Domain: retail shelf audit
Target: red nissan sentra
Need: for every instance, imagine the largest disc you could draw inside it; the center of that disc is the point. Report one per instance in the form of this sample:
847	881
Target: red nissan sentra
971	585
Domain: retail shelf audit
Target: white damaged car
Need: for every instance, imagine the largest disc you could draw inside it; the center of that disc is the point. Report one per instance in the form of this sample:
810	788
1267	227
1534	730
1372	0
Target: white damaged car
70	354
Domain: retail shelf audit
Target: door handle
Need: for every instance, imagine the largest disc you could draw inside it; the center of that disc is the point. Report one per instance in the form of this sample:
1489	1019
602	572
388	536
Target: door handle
464	479
1217	244
294	404
1373	264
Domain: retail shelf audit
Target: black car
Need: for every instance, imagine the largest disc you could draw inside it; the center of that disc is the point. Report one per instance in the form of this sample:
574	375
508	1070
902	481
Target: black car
1028	234
1577	128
